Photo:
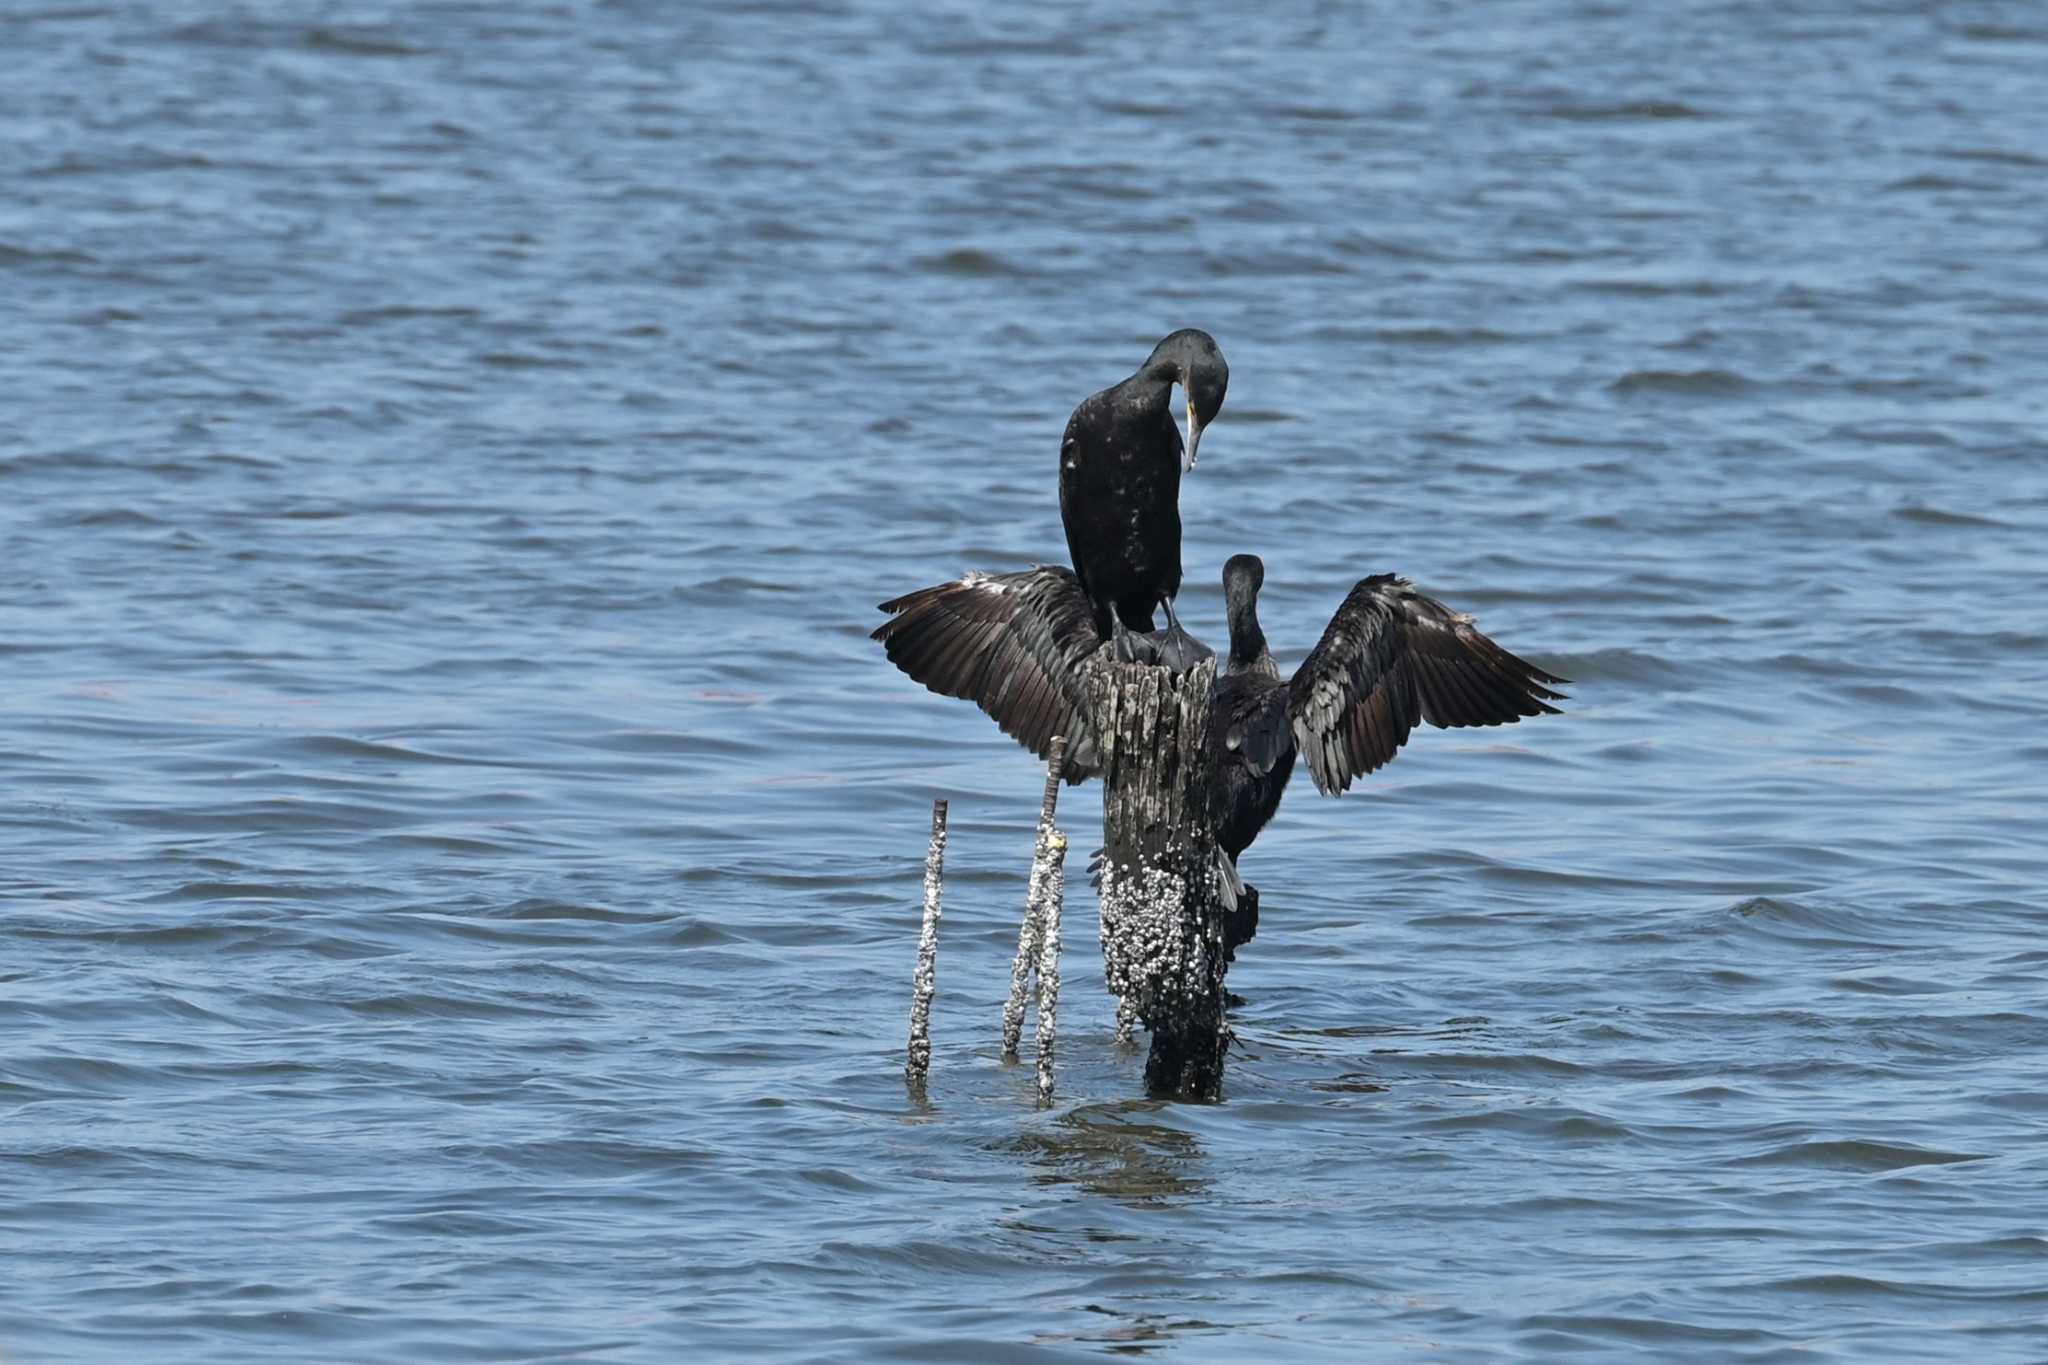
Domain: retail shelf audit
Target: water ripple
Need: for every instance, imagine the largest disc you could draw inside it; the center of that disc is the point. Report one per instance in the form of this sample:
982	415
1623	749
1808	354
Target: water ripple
464	853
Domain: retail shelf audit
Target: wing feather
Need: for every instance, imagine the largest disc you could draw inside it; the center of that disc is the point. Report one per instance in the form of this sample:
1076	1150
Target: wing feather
1391	658
1020	646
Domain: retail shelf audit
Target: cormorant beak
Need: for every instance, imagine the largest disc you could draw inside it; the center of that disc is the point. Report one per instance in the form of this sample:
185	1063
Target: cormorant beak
1187	450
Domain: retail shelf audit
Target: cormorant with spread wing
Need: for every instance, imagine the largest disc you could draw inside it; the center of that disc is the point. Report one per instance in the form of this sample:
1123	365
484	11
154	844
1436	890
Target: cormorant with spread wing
1022	646
1390	657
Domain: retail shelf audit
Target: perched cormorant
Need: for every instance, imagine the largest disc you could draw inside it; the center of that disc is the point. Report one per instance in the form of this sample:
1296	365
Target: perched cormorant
1021	646
1388	658
1120	465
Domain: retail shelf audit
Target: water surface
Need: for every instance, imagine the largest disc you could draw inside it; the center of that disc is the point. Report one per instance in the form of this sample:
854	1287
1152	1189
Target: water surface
460	860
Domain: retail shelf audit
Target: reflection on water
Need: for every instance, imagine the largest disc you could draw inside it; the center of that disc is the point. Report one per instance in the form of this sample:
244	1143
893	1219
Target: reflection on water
1108	1149
1132	1334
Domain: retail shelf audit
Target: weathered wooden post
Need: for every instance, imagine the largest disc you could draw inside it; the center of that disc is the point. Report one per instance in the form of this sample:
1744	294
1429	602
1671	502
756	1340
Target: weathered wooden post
1162	915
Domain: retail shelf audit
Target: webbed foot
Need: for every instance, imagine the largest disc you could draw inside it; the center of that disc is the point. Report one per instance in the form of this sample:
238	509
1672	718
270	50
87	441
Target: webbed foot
1129	647
1241	922
1179	650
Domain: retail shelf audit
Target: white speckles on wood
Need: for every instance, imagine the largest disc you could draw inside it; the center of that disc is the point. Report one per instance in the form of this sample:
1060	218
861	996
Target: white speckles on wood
1029	933
1162	920
1049	962
925	983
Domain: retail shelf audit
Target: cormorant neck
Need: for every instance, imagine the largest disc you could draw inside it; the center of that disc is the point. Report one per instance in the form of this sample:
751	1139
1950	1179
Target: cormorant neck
1247	641
1151	389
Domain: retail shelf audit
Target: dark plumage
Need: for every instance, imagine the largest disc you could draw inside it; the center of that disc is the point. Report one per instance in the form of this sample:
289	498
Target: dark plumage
1018	645
1389	658
1021	646
1120	465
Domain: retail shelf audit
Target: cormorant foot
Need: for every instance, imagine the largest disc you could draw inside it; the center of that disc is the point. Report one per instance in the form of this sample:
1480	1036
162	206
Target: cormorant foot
1241	925
1179	650
1129	647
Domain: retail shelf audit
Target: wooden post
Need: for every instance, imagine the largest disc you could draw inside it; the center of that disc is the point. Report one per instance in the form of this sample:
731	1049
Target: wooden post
1030	932
1162	918
925	983
1049	962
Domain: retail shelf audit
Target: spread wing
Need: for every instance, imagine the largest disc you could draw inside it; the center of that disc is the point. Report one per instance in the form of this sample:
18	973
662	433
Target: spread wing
1020	646
1389	658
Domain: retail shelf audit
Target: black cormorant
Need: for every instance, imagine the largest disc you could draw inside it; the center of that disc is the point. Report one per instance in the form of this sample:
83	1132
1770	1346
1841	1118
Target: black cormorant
1390	657
1021	646
1121	459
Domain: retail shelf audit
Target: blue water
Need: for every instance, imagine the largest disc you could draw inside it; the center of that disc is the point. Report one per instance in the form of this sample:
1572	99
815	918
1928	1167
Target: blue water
460	859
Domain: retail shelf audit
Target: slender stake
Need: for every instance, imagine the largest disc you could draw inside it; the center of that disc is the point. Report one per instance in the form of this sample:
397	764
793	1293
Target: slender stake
1049	963
1028	933
925	983
1021	966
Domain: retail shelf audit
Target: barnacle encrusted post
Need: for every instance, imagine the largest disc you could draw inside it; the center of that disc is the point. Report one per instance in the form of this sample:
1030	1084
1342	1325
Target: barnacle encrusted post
1049	961
1030	932
925	983
1162	915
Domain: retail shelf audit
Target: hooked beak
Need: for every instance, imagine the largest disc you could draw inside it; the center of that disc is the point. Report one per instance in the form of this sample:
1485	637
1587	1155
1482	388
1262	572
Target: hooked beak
1194	434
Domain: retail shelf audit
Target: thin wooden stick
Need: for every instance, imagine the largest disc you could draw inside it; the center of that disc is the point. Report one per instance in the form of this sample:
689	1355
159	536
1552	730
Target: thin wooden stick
925	984
1029	934
1049	963
1020	970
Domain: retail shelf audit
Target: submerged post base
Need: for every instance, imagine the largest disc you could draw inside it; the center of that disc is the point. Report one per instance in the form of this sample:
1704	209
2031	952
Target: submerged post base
1162	952
1186	1060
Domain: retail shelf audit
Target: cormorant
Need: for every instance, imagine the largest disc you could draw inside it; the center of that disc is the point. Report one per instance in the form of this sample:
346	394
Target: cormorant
1389	657
1022	646
1121	459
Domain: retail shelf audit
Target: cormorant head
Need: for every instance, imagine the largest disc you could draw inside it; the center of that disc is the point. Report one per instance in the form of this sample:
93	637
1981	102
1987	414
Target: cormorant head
1243	576
1198	366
